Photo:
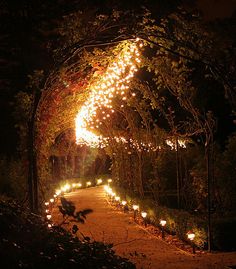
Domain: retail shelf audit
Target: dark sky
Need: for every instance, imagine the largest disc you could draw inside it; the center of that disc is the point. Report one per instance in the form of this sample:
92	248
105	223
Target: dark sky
213	9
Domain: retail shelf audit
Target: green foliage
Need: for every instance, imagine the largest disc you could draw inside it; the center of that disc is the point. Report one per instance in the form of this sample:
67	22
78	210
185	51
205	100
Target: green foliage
28	243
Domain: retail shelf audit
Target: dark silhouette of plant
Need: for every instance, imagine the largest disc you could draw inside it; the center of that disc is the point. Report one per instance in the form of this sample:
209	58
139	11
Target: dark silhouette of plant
67	208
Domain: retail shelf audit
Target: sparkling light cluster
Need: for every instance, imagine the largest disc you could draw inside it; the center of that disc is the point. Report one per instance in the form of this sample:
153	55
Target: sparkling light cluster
173	144
142	146
114	82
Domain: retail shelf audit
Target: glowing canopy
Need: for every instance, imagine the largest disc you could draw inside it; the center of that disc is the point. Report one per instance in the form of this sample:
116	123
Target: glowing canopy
115	81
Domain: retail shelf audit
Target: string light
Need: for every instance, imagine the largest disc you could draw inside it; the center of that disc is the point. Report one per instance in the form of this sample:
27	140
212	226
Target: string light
114	81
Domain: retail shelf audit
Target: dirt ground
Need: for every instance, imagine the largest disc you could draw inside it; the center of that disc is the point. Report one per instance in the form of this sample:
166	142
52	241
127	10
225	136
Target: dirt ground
133	241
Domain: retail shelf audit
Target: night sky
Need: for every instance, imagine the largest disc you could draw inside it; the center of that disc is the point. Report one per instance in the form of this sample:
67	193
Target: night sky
213	9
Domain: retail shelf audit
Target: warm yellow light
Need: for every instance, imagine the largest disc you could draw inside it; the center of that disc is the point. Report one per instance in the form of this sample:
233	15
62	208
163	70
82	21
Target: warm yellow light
58	192
46	203
109	180
191	236
49	217
135	207
163	222
99	181
88	183
51	200
144	214
66	187
106	188
123	203
117	198
114	80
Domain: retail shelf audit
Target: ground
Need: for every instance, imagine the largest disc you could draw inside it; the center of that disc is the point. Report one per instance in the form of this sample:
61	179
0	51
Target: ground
133	241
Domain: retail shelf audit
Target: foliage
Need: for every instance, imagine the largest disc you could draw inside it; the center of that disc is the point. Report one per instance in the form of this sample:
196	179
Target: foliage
178	222
225	183
28	243
67	209
180	65
12	178
22	112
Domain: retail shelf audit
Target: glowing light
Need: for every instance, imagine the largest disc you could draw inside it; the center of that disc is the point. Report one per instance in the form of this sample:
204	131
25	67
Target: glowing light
163	223
191	236
51	200
66	187
48	217
46	203
123	203
117	198
144	214
99	181
115	80
88	183
181	142
135	207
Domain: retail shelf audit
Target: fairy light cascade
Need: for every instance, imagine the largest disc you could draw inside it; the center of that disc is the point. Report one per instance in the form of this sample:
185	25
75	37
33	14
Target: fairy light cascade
115	81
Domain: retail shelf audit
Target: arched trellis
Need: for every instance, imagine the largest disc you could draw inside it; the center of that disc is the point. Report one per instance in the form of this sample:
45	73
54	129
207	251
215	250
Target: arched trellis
55	107
62	84
64	93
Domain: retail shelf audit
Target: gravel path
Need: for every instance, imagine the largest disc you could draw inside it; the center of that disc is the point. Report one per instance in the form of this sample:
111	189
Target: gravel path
130	240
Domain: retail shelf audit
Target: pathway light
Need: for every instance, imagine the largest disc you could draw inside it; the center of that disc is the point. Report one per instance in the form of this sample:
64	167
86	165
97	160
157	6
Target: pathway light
99	181
48	216
163	224
88	183
144	216
135	208
191	236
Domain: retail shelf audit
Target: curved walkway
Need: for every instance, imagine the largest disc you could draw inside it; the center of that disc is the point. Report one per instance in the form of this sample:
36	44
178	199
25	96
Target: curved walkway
132	241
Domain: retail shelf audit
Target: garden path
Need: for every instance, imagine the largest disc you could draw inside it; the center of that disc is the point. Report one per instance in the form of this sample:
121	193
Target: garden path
132	241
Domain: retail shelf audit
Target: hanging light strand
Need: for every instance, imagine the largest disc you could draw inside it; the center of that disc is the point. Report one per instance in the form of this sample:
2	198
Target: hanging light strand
114	82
